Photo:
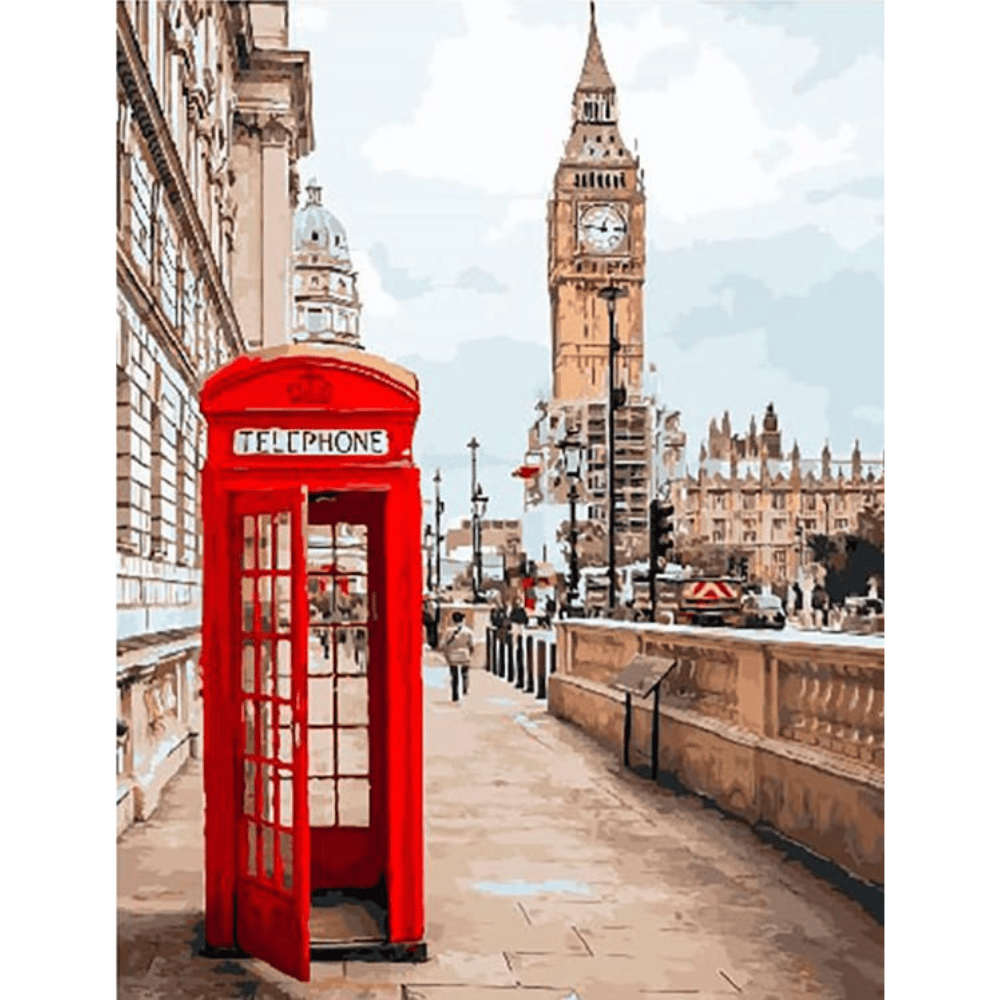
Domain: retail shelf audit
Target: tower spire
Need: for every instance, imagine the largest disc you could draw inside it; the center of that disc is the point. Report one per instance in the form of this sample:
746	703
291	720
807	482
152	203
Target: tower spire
594	75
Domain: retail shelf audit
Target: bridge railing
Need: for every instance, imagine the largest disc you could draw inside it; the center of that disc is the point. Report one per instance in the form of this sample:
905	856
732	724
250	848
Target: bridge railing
785	729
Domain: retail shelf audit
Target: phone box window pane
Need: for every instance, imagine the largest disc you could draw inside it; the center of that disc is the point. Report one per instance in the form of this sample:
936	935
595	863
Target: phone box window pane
251	849
284	657
284	551
283	602
285	746
321	802
352	701
267	720
320	652
268	852
264	541
249	728
320	701
249	678
264	589
247	589
352	751
266	669
352	795
248	543
285	846
321	752
249	787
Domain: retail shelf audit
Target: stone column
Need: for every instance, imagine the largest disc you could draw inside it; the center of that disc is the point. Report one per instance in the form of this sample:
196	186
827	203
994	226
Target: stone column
276	230
246	289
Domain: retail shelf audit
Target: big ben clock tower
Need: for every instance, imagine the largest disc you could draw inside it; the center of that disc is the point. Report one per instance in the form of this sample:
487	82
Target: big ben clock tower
596	236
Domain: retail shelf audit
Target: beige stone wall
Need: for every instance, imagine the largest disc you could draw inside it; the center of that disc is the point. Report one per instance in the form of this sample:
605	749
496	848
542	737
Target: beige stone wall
781	732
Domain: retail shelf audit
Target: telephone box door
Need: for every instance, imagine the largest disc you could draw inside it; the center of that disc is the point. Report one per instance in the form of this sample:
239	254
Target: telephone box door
272	885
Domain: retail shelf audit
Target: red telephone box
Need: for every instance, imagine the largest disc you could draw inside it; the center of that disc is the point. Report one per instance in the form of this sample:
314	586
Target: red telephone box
313	698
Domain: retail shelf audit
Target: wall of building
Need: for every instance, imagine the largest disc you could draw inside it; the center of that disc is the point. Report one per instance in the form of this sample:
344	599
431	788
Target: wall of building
188	205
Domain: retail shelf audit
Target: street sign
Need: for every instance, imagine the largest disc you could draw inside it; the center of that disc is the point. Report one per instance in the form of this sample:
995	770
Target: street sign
642	674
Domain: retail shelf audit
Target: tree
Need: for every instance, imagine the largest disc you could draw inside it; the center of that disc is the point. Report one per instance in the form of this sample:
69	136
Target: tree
850	562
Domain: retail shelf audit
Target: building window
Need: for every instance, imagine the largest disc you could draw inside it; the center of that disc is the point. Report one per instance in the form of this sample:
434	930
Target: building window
778	501
809	501
164	471
141	211
718	531
749	501
168	267
718	501
314	320
778	530
840	524
133	477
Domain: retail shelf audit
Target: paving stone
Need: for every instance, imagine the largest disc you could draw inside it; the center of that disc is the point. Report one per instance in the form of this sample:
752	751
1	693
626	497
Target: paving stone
444	968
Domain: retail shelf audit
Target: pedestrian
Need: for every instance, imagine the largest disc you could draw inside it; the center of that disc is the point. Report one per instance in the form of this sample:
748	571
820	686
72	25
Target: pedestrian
519	619
432	620
797	591
457	648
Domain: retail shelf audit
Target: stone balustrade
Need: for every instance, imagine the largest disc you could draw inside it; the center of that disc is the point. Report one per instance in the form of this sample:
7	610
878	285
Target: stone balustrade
783	728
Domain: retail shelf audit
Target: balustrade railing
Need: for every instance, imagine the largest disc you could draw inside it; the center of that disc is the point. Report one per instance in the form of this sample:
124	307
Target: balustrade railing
811	693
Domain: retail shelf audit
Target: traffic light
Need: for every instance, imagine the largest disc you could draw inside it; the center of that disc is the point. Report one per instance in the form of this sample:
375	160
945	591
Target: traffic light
661	530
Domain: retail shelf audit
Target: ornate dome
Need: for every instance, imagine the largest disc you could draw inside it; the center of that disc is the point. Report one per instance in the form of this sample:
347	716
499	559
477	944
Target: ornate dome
317	229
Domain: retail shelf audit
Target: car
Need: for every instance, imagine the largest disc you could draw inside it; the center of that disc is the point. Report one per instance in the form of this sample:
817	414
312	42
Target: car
763	611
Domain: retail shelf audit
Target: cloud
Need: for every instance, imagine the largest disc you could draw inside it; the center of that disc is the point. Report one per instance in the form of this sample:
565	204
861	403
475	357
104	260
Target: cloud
398	281
375	301
862	187
485	122
478	280
519	210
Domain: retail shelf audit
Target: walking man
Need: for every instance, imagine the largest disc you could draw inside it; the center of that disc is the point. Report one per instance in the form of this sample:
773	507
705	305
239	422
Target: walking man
457	647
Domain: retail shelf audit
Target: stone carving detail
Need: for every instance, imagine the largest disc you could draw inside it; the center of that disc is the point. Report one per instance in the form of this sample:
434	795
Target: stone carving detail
838	707
309	389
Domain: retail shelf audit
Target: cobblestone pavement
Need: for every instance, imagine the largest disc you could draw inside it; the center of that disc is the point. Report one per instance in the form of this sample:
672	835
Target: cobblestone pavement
551	874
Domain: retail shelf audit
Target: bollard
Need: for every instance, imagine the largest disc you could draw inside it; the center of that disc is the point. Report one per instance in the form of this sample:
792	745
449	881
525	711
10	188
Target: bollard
529	666
540	661
519	684
509	674
489	650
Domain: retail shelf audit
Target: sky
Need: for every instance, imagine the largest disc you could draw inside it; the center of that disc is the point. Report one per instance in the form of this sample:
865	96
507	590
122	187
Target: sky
439	126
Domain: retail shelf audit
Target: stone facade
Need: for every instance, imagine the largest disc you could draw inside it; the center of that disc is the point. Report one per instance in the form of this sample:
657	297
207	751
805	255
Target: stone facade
752	498
213	113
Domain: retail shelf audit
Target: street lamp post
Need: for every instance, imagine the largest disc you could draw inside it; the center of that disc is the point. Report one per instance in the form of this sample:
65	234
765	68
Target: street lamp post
473	447
611	294
479	501
571	449
438	510
429	550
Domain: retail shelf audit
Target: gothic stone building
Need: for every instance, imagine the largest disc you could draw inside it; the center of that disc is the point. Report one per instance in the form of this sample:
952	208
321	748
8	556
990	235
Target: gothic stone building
752	498
596	237
214	111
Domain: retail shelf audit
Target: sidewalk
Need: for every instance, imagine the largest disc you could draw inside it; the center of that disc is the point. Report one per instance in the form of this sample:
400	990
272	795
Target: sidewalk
550	873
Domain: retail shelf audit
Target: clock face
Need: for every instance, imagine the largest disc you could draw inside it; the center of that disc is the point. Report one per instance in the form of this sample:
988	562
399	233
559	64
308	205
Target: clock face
603	228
